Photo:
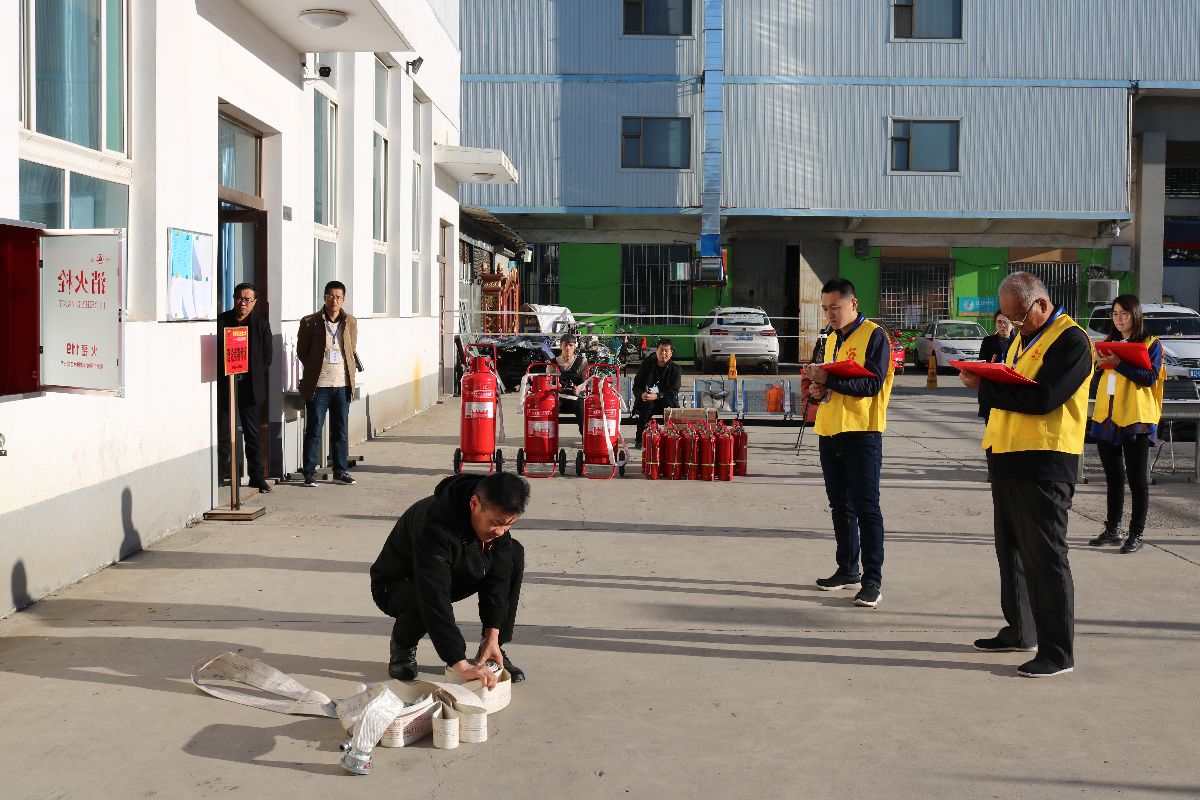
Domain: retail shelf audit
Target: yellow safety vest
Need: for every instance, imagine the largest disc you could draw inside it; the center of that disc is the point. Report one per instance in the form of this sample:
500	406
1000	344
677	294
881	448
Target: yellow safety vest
842	413
1060	430
1132	403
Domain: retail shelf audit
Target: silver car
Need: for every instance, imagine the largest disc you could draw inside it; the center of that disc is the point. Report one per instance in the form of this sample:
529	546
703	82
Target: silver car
948	340
740	331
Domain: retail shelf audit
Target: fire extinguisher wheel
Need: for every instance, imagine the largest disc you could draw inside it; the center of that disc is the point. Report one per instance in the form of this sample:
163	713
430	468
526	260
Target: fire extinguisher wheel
458	460
562	461
520	460
579	464
499	460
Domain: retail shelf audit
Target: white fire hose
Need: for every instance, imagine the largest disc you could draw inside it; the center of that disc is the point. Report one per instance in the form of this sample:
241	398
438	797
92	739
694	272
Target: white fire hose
390	714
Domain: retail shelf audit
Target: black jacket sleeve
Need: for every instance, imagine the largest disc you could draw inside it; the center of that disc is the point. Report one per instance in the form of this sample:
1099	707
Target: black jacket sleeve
643	374
493	590
674	379
1066	364
433	557
876	362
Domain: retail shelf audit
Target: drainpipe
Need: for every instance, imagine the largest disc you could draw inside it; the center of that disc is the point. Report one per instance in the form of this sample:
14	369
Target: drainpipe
713	82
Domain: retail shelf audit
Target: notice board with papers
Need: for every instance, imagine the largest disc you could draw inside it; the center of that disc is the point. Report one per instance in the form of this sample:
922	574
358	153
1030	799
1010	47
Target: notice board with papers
191	283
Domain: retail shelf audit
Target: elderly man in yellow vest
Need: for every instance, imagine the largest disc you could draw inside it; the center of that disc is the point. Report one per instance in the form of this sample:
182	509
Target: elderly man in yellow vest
1033	441
850	422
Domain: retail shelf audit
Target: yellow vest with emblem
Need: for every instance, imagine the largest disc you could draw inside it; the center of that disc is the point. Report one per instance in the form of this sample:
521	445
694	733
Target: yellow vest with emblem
1061	429
842	413
1131	403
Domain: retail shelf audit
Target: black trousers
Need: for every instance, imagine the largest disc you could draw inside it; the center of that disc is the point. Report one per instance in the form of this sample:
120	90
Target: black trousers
645	410
1037	594
400	601
568	407
248	418
1130	460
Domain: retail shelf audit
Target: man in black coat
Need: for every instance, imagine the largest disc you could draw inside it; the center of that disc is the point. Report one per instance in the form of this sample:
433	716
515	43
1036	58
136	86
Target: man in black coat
251	386
444	548
656	386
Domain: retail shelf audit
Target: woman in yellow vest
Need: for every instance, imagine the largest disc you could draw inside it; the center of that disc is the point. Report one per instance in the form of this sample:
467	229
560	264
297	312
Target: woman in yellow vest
1125	423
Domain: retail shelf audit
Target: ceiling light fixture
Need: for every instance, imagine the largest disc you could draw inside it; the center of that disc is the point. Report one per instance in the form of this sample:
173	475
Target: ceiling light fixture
483	177
323	18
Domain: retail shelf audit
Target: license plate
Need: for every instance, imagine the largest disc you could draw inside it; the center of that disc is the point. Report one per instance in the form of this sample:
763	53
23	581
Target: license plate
743	338
1194	373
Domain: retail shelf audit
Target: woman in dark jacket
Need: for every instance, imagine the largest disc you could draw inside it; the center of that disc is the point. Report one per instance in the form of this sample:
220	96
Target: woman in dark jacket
993	349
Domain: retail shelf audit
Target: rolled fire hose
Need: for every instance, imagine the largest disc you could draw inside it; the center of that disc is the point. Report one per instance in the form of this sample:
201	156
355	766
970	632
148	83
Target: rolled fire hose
390	714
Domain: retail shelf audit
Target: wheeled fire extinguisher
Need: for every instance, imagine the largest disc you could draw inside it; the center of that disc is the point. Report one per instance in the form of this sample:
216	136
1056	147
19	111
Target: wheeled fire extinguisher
540	410
602	442
651	443
741	448
669	453
706	455
724	448
480	406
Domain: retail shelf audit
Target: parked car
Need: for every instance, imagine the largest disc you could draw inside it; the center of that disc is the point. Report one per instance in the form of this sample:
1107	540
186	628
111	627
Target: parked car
741	331
948	340
898	352
1176	326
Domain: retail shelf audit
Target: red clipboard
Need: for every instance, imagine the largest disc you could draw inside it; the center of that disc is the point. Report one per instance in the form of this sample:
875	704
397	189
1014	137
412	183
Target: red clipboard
847	369
1000	373
1135	353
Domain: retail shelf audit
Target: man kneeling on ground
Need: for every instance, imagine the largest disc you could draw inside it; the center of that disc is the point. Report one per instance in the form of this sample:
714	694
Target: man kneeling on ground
445	548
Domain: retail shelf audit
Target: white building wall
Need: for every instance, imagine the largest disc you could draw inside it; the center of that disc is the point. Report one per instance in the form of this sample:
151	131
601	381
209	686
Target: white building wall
100	476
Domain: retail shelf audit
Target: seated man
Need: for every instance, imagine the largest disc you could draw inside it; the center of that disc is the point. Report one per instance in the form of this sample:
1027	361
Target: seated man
444	548
571	366
656	386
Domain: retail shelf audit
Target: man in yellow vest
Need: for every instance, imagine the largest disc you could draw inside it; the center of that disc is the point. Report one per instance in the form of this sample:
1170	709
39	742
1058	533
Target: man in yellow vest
850	422
1033	440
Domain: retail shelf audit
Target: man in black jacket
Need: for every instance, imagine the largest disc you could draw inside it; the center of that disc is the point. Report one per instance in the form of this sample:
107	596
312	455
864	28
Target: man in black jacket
656	386
447	547
251	386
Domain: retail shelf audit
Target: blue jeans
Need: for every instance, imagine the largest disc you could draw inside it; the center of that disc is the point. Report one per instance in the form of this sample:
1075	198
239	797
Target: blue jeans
851	463
335	400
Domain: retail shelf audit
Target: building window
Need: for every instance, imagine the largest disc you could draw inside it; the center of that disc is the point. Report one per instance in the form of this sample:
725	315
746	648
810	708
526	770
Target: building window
238	157
927	19
75	84
379	183
539	276
656	142
924	145
379	284
325	160
914	292
324	267
656	287
658	17
381	92
55	197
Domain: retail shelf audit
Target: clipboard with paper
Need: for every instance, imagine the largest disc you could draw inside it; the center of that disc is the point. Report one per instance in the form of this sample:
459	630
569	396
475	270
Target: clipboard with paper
1135	353
846	369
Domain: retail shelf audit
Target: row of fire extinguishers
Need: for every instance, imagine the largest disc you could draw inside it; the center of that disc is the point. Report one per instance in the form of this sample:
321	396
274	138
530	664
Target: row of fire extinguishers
694	451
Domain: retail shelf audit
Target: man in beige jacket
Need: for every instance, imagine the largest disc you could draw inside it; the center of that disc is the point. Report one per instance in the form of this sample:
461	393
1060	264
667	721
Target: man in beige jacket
325	346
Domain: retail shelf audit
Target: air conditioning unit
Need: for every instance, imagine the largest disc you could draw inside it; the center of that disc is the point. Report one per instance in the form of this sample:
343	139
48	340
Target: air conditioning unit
1102	290
681	271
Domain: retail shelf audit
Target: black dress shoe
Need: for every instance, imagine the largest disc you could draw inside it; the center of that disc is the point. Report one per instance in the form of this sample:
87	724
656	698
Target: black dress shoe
403	663
1133	543
516	673
260	484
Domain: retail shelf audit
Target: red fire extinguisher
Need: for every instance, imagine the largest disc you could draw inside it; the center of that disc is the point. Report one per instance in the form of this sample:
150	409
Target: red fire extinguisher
706	455
602	442
540	410
669	453
651	441
690	469
741	447
724	448
480	404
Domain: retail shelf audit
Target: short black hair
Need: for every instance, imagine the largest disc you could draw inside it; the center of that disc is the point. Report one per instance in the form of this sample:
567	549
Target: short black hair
840	285
503	490
998	314
568	338
238	289
666	341
329	287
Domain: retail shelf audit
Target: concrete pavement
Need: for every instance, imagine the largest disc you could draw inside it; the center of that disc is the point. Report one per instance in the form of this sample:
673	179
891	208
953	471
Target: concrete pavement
673	638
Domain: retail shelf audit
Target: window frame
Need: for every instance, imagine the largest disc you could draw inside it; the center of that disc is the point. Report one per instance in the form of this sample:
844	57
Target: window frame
69	171
893	38
27	79
630	312
621	136
320	94
691	11
910	119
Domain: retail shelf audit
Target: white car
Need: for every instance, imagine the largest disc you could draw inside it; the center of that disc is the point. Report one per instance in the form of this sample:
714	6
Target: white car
1176	326
949	340
741	331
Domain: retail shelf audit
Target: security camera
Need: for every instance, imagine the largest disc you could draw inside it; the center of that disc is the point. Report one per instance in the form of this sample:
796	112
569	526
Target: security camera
324	70
1115	230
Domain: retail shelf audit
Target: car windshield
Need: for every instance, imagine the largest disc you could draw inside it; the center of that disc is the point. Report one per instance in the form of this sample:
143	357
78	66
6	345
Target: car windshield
1165	323
959	330
743	318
